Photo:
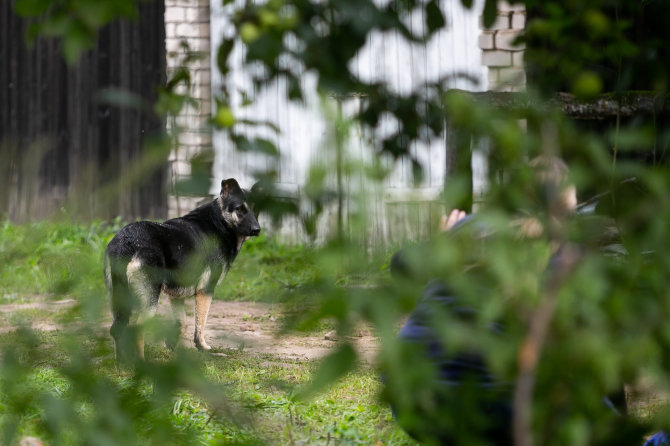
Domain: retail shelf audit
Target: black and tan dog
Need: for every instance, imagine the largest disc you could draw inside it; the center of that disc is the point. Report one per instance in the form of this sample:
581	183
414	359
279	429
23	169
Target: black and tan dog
182	257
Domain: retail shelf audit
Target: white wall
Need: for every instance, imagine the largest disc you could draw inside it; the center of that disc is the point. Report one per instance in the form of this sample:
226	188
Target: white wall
397	212
187	33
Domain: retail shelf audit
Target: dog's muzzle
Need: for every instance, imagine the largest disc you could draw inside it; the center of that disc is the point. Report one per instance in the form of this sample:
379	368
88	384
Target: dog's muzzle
255	231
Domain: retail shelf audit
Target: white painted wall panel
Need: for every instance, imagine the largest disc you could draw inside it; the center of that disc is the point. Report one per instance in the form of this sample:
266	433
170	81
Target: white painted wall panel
303	138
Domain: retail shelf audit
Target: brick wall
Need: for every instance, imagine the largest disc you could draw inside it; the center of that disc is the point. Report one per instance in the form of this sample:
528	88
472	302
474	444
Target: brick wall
503	58
187	41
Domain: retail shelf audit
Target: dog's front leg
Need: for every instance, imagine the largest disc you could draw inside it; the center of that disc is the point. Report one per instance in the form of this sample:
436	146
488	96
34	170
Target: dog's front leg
202	302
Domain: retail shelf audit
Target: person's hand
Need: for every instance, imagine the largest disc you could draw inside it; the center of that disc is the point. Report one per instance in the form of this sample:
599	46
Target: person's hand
448	222
529	227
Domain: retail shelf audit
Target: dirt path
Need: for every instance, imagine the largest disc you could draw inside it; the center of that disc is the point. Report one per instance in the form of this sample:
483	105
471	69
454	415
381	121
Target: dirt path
253	327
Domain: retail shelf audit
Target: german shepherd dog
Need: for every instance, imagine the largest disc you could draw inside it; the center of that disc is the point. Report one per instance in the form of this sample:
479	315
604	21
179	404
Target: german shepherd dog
181	257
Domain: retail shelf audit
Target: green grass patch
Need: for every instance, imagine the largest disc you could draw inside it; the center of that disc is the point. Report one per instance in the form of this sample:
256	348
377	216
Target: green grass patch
71	384
52	258
266	270
66	259
64	386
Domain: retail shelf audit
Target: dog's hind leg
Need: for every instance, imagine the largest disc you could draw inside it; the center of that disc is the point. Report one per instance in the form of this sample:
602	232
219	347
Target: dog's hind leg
147	292
202	302
118	330
122	303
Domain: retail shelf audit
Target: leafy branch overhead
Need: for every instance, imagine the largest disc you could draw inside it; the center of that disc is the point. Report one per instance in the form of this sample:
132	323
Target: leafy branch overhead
75	22
564	336
286	40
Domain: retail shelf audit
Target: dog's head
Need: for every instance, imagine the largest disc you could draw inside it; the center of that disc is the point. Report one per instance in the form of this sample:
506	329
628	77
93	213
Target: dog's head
236	211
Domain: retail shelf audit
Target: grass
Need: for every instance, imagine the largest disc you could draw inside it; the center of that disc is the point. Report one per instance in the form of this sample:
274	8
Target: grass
347	413
266	269
50	258
63	386
60	259
259	390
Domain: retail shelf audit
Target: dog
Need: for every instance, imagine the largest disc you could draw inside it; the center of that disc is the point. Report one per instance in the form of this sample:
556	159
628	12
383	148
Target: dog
182	257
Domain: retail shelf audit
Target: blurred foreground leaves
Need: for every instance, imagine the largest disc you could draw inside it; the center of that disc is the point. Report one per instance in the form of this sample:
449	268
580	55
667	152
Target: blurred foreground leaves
610	325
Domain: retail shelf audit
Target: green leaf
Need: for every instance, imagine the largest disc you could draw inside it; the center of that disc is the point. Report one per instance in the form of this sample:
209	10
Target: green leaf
434	17
490	12
417	172
265	146
224	117
31	8
587	85
222	55
76	41
259	145
197	185
249	32
56	25
93	14
331	368
32	32
179	76
123	98
269	124
294	89
125	8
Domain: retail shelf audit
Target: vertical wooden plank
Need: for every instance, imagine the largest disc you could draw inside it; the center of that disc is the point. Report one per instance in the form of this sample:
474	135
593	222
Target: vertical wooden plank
386	57
60	140
5	88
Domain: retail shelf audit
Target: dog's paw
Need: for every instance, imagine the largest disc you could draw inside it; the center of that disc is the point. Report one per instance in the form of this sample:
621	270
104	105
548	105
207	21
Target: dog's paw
200	343
203	346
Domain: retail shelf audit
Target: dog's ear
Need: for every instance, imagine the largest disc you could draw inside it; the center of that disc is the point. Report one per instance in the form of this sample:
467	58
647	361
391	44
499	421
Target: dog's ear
229	187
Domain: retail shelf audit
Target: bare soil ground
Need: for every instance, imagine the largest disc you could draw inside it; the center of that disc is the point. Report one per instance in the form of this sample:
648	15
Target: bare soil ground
251	326
256	327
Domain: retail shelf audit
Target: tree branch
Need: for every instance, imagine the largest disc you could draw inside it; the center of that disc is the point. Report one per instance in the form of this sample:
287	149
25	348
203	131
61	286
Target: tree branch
606	105
565	262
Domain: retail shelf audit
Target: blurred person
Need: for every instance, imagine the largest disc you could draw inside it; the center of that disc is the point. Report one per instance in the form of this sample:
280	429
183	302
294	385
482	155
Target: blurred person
455	398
